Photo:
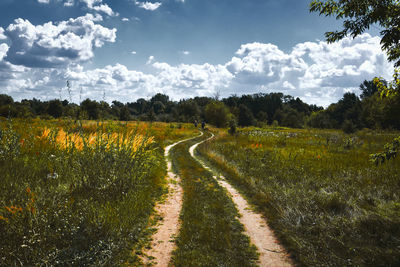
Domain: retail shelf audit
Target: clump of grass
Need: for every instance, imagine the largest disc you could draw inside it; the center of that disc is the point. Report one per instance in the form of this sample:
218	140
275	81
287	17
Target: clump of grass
328	204
72	195
210	234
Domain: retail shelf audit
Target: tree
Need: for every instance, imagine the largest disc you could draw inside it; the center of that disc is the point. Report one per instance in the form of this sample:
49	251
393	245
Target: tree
124	114
262	116
349	108
292	118
359	15
391	90
7	106
141	105
92	108
348	127
217	114
6	100
55	108
117	104
105	111
151	115
188	110
158	107
368	89
393	93
39	107
273	104
246	117
164	99
116	108
320	119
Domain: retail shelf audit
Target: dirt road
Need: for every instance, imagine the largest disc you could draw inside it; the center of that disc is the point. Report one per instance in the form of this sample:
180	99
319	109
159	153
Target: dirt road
271	252
163	239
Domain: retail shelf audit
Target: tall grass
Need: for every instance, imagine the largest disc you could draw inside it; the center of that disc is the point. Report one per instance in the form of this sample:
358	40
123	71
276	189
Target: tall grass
78	194
210	233
326	201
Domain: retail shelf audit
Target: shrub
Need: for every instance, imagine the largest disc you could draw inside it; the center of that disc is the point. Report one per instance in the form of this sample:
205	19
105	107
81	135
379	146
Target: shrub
348	127
232	127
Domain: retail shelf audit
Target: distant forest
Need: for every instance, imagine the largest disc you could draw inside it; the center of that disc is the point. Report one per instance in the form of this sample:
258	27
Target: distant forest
350	113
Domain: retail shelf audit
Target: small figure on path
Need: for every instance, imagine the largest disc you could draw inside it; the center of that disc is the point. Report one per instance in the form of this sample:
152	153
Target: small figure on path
203	124
195	123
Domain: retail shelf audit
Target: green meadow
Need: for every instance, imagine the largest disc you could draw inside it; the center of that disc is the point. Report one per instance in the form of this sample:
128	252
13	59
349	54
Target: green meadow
327	201
83	193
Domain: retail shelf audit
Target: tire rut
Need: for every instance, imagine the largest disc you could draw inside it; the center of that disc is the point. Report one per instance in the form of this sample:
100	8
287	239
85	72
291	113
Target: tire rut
271	253
163	244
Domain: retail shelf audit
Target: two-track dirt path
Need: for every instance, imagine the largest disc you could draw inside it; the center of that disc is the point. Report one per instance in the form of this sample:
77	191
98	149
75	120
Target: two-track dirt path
162	240
271	253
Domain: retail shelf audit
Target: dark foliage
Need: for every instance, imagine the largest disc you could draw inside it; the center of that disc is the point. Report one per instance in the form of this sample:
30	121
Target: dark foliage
368	111
351	114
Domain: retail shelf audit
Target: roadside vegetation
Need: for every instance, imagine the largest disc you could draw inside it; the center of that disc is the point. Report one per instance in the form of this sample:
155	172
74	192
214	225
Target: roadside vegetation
78	194
327	202
210	234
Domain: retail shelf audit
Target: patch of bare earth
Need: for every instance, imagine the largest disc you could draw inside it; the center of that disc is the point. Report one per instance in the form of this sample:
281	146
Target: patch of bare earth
271	252
163	243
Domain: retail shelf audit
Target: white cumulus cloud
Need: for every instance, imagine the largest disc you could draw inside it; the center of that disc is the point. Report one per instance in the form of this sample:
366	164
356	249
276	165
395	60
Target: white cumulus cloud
2	36
317	72
96	5
69	3
105	9
150	60
59	44
187	80
317	69
3	51
148	5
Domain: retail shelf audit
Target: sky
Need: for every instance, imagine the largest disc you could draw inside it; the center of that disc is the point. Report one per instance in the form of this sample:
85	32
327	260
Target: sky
129	49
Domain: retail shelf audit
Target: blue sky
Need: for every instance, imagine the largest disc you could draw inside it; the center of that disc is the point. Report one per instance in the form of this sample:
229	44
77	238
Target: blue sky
127	49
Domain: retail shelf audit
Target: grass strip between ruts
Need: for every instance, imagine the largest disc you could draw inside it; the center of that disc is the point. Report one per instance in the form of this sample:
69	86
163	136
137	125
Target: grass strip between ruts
210	233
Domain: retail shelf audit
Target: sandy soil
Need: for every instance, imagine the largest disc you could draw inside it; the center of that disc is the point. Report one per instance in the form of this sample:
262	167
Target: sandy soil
163	239
271	252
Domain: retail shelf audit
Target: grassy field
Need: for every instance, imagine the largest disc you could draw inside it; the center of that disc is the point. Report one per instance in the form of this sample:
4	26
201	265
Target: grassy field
329	205
79	194
82	193
210	234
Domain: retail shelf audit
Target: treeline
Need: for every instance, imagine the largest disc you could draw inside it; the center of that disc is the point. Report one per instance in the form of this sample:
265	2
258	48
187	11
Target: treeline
350	113
256	109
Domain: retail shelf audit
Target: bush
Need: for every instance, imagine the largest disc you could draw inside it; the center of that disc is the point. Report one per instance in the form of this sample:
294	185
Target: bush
232	127
348	127
217	113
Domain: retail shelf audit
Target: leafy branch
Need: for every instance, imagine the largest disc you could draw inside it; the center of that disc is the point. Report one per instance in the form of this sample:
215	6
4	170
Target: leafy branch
391	149
359	15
